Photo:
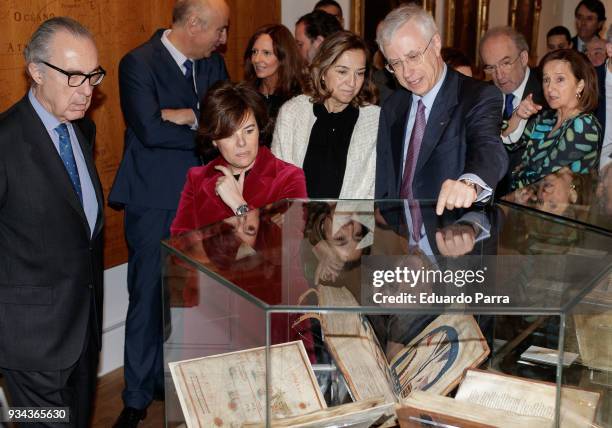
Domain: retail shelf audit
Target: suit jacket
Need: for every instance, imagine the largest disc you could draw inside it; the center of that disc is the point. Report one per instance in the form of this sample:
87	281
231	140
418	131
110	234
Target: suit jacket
292	134
50	268
157	154
268	181
462	136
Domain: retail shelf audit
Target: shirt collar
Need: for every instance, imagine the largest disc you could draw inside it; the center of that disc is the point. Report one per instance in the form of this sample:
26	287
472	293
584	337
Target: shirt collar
430	97
518	92
49	121
177	55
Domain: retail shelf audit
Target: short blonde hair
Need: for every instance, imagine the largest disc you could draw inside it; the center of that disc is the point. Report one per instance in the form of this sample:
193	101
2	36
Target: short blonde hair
329	52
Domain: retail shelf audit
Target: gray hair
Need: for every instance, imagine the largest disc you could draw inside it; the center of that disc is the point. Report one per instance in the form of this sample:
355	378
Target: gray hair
38	48
517	38
401	15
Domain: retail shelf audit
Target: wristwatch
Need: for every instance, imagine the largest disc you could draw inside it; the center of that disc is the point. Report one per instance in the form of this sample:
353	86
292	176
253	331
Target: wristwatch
242	210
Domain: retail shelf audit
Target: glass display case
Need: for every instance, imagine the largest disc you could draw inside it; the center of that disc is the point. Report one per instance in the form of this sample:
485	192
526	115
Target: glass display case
377	313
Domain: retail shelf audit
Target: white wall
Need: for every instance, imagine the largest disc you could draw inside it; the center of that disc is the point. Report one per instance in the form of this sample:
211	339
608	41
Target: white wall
113	324
292	10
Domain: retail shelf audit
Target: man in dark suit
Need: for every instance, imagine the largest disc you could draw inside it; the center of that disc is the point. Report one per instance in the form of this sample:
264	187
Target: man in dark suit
161	83
439	137
590	17
505	57
51	219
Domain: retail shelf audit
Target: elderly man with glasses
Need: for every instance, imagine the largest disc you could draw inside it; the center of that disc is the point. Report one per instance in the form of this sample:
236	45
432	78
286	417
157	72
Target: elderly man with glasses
505	56
51	221
439	136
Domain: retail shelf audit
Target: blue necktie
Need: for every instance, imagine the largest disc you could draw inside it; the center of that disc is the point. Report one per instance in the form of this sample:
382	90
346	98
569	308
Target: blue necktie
508	108
65	151
188	64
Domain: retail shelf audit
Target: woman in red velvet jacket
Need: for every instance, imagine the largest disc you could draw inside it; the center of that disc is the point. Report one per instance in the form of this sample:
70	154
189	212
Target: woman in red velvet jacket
245	175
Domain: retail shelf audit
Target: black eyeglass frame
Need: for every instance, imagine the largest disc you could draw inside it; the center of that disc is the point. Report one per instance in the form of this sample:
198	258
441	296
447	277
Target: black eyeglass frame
89	76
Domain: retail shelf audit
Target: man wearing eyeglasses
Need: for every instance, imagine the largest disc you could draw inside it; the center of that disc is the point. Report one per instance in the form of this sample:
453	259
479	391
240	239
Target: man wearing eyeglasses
51	222
505	56
160	84
438	136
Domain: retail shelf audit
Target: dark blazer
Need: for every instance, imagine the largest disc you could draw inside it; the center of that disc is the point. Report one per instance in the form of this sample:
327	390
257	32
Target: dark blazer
157	154
269	180
50	269
462	136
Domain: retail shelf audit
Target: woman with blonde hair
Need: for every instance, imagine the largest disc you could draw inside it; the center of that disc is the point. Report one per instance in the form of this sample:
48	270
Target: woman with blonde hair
331	131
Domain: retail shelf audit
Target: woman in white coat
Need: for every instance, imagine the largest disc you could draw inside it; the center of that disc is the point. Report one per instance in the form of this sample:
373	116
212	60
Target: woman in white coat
330	132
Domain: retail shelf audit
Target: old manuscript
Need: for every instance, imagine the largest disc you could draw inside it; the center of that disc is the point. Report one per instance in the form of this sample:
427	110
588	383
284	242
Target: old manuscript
528	398
229	390
426	409
432	361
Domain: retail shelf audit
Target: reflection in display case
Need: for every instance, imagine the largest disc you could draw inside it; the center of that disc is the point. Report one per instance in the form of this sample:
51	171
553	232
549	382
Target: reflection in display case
379	313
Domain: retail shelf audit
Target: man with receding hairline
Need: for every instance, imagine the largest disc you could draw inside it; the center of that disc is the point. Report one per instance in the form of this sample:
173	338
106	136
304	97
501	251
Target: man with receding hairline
51	229
161	83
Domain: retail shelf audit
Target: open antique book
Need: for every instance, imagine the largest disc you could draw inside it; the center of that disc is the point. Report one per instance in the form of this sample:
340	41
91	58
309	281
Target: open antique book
433	361
426	409
486	399
230	389
360	414
528	397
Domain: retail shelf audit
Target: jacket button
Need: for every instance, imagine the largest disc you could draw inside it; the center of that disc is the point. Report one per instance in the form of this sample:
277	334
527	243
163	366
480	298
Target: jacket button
90	285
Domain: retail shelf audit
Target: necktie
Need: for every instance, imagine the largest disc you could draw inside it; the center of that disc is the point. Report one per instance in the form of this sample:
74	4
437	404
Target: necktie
67	155
508	108
188	64
412	154
417	220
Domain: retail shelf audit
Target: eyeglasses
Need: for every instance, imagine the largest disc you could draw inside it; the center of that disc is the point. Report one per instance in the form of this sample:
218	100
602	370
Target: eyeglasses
502	66
77	79
397	65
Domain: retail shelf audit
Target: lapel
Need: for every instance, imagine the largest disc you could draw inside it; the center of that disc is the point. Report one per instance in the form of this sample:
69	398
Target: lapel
257	184
87	149
439	117
398	136
48	159
168	67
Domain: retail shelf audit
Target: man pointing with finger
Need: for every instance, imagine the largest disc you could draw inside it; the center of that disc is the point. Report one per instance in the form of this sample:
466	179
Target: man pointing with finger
438	136
505	55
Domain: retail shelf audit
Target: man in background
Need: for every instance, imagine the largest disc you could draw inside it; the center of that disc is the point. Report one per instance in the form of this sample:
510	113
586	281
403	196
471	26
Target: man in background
51	221
590	17
310	31
505	55
596	51
161	83
332	7
558	37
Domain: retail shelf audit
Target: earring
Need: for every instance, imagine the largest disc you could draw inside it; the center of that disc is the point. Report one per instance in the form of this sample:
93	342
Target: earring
578	95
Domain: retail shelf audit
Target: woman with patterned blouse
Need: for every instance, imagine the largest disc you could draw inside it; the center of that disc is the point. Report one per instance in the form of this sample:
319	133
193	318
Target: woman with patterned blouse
567	135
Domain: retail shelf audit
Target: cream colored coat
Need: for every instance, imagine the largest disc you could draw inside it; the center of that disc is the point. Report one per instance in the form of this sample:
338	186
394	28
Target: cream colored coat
292	133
